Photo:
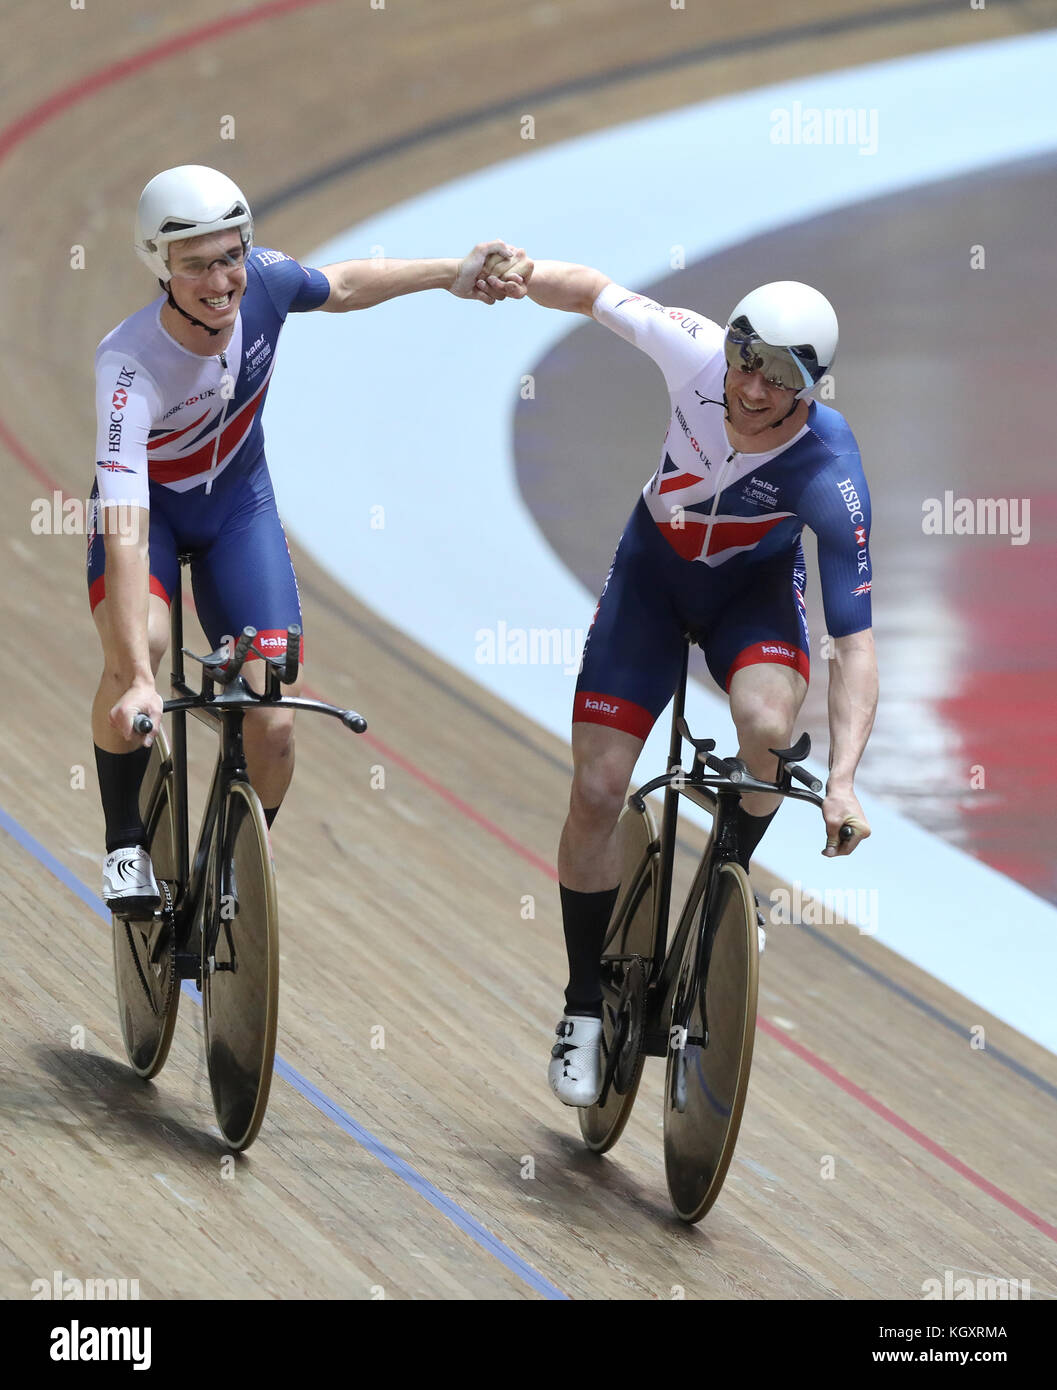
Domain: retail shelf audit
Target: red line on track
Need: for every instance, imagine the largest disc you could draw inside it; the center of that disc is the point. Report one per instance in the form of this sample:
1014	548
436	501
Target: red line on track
62	101
929	1145
463	807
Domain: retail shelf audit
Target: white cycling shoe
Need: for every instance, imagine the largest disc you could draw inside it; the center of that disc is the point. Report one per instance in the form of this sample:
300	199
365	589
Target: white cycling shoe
129	886
575	1071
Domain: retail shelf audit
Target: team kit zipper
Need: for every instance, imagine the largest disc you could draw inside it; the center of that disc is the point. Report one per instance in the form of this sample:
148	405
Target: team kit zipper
720	483
220	428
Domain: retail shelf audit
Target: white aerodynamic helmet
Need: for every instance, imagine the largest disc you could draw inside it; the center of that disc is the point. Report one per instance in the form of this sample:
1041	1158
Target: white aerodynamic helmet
786	330
190	200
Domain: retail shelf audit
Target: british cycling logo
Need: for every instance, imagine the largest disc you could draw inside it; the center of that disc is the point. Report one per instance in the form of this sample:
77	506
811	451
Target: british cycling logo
641	299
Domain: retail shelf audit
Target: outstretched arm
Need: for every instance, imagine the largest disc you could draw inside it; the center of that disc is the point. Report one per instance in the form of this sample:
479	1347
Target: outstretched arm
560	285
362	284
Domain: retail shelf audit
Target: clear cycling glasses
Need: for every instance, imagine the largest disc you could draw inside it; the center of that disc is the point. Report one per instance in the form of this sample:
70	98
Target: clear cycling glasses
197	268
788	368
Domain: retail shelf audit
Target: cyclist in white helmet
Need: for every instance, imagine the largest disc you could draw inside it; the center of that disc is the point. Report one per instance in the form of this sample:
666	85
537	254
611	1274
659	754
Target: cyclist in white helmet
180	467
713	550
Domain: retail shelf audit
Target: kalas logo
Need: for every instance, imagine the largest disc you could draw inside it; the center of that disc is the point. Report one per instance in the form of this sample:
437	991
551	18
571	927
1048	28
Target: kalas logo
119	399
602	706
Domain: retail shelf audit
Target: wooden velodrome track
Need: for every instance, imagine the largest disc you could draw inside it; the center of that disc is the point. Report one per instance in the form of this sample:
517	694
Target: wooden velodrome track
401	908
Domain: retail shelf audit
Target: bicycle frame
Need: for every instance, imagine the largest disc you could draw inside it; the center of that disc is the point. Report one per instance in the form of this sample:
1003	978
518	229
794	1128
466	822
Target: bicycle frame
223	712
719	794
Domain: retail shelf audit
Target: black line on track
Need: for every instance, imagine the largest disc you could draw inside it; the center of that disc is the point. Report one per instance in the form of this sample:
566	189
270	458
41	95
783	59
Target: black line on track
580	86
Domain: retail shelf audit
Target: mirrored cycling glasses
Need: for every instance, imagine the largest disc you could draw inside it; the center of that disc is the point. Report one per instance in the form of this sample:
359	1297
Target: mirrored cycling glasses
781	367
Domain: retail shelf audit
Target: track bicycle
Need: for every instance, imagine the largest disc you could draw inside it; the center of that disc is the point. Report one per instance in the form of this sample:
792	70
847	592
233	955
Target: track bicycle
218	920
693	1002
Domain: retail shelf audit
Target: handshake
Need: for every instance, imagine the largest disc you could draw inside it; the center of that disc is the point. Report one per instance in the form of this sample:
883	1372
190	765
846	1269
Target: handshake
493	270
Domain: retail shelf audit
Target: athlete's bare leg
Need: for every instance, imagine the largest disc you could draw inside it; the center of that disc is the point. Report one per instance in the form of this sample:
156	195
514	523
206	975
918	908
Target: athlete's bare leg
268	741
764	703
603	761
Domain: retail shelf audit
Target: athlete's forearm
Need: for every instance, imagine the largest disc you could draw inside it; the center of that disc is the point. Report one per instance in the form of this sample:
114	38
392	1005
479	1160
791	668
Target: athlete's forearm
362	284
852	705
127	595
562	285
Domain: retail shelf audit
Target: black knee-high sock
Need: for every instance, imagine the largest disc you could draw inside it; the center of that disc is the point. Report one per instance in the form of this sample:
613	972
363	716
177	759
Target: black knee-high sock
751	831
585	917
120	776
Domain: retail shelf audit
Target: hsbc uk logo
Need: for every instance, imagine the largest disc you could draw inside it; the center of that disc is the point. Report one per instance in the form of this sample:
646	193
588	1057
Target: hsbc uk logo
118	401
858	519
851	500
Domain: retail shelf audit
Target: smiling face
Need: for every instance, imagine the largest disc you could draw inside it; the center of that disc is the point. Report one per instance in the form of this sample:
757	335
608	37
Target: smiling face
755	404
209	277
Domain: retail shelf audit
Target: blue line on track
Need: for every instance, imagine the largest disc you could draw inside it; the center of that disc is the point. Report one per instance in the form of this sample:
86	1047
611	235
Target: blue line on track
996	1054
479	1234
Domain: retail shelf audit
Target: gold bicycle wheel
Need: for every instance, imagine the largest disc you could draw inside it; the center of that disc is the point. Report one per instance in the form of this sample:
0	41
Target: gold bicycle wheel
708	1063
631	935
240	969
148	994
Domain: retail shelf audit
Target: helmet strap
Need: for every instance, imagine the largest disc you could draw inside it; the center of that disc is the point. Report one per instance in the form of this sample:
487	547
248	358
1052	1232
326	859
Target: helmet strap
785	417
167	287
